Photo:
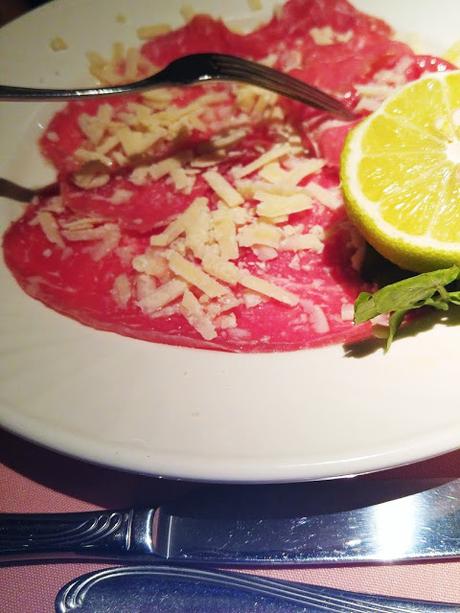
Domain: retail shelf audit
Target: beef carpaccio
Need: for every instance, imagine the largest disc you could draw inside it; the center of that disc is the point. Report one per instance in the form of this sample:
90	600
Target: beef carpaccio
212	216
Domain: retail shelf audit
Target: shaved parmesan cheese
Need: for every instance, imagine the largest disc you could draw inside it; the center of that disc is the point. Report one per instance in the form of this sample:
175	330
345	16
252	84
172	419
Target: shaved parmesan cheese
50	228
151	263
110	239
259	233
228	139
181	180
268	289
151	299
223	188
265	253
194	275
221	269
58	44
185	221
347	312
275	153
278	176
88	180
248	188
197	225
330	199
273	206
224	231
120	196
121	290
328	36
148	32
194	313
163	168
204	161
316	316
298	242
135	143
251	300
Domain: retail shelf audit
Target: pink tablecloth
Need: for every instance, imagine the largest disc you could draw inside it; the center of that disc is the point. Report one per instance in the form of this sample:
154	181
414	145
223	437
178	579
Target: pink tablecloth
37	480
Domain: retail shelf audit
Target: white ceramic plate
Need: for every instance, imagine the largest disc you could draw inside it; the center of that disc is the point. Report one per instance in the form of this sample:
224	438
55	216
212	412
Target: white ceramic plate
198	414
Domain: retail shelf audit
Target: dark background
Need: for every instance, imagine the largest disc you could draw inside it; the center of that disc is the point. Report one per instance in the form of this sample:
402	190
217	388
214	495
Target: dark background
10	9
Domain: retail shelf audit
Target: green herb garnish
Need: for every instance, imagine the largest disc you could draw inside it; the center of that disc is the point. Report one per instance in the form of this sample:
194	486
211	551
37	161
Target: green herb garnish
397	299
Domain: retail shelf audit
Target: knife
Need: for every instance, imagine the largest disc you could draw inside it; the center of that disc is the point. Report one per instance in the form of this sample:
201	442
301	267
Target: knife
340	522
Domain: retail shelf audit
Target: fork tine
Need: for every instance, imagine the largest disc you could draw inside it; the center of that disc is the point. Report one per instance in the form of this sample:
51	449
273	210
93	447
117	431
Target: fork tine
250	72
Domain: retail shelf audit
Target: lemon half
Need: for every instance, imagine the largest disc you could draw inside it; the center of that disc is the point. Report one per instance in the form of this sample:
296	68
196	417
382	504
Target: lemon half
400	172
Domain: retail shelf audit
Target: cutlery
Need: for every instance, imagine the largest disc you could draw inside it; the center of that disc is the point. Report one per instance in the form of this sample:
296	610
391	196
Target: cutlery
325	523
164	589
13	191
198	68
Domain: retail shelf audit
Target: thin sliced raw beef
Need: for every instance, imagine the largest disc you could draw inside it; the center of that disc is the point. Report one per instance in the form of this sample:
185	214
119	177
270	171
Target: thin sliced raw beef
213	217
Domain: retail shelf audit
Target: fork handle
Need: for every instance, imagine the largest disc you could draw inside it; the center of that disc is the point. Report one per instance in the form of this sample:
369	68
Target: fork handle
104	534
24	94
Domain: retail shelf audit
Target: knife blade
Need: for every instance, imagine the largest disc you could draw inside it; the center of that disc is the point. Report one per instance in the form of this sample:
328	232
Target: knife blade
336	522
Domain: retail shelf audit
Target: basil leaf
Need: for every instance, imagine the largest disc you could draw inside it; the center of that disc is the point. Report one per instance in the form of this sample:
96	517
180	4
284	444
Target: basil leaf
404	295
454	297
395	321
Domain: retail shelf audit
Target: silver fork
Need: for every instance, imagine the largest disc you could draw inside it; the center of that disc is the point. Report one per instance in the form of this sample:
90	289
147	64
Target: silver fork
199	68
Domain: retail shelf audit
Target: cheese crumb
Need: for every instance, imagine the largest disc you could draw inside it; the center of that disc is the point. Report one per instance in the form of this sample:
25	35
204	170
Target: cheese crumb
316	316
121	290
255	5
347	312
226	322
328	36
151	263
187	11
58	44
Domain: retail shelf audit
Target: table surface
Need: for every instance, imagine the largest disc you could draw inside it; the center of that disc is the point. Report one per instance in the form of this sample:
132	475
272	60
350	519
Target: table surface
33	479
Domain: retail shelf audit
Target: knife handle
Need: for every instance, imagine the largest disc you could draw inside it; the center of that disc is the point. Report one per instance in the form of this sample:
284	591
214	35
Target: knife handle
105	534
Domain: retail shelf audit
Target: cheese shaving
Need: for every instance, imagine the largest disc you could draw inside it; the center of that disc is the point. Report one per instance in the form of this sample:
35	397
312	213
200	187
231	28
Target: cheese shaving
268	289
223	188
194	313
219	268
148	32
259	233
275	153
194	275
50	228
151	299
224	231
273	206
330	199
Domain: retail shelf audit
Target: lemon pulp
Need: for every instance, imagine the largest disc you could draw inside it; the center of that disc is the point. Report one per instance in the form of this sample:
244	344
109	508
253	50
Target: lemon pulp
400	171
